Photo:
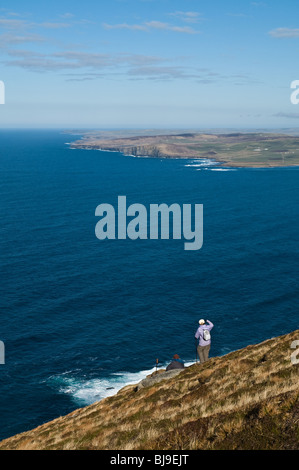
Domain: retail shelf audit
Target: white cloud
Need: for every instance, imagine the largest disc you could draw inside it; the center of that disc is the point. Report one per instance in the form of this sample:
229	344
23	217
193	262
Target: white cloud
67	15
67	60
150	25
49	25
187	16
285	33
8	39
8	23
167	27
287	115
133	27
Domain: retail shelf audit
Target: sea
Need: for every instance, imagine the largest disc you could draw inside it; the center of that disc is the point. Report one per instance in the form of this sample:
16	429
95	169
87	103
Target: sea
83	317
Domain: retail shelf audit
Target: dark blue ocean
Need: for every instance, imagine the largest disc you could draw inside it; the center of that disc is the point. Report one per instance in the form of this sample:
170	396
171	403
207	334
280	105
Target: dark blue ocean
81	317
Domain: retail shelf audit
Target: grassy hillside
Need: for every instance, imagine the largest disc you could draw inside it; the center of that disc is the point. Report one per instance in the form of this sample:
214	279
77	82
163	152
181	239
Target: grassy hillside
247	399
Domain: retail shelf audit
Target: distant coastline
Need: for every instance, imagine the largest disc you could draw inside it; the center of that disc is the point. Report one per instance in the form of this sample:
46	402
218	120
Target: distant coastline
237	149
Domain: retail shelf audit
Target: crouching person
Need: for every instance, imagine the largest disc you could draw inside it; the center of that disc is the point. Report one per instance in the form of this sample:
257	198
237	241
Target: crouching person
176	363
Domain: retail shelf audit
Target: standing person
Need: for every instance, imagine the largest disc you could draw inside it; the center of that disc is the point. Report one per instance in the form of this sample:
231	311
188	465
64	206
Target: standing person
204	339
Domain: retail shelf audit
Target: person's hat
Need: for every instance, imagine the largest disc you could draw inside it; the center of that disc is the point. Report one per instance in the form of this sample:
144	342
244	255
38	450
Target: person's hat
201	322
176	356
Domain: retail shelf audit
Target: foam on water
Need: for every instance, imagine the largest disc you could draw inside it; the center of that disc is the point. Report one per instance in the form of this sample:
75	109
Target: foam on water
217	169
200	163
222	169
85	391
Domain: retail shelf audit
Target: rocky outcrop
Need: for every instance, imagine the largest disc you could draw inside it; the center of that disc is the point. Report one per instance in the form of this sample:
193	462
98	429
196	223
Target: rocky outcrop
154	379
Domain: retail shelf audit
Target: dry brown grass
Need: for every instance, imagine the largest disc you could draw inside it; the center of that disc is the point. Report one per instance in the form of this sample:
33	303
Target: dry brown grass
246	399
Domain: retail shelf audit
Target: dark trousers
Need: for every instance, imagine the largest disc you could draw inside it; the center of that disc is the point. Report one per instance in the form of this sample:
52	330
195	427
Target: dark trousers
203	352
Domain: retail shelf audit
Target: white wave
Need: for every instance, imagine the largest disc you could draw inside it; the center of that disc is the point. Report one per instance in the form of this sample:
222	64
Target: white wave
218	169
86	391
200	163
197	165
223	169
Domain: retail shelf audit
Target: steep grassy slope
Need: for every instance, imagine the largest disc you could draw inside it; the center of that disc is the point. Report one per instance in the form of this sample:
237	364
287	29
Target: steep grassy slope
247	399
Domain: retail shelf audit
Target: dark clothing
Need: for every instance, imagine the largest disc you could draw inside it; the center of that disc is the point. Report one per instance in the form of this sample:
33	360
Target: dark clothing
203	352
175	364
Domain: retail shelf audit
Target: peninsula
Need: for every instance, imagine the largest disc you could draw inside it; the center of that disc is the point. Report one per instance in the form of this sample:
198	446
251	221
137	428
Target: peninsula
249	149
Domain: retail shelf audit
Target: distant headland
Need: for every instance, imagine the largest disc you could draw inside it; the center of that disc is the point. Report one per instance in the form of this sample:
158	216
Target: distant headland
233	149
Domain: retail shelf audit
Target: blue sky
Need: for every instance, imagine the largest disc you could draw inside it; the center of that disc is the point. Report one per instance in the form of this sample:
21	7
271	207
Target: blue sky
149	63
